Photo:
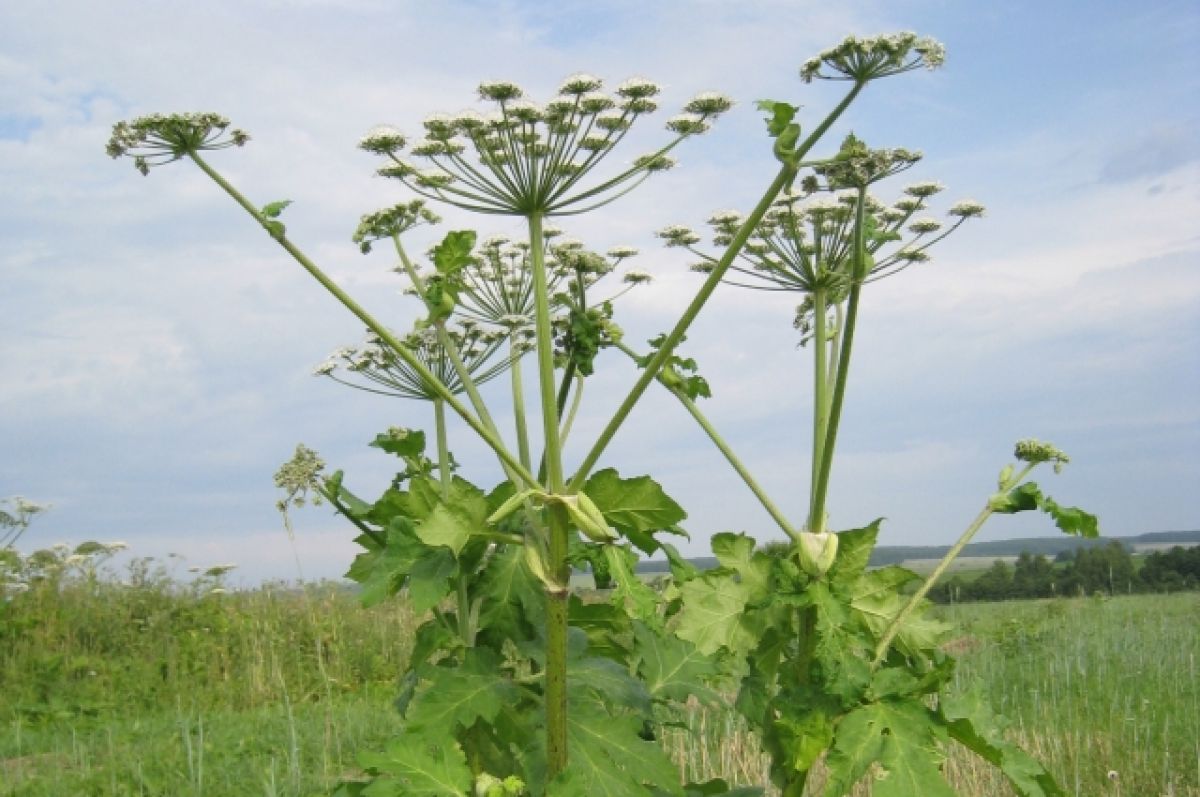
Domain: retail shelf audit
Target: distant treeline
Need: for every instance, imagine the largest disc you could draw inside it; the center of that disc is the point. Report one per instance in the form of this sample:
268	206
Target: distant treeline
1109	569
1045	546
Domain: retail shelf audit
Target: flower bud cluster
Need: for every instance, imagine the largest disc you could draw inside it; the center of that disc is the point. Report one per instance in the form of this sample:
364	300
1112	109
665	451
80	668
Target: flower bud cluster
156	139
862	59
390	222
1035	451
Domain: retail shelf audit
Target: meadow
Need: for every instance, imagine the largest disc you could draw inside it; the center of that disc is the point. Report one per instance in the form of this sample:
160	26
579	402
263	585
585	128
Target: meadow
156	687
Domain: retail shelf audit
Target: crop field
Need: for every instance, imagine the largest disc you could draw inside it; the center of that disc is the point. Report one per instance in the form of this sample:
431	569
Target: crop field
157	689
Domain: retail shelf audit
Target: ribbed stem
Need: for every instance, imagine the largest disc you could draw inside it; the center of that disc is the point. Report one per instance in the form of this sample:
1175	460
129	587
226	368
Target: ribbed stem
842	363
558	527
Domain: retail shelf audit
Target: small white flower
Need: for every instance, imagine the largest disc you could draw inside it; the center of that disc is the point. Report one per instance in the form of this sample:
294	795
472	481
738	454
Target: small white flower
709	103
687	124
500	90
678	235
596	102
925	189
656	163
925	225
635	277
612	120
382	140
638	88
619	252
580	83
725	217
967	208
524	111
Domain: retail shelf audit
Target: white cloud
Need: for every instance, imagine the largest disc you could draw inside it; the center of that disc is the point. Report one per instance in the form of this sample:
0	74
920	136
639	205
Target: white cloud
157	304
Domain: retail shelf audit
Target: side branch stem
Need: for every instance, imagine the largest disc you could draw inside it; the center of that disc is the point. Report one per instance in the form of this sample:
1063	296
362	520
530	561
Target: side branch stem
652	369
379	329
898	622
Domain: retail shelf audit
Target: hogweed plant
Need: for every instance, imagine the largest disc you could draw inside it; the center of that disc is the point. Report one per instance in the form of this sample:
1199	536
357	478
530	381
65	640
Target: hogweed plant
516	685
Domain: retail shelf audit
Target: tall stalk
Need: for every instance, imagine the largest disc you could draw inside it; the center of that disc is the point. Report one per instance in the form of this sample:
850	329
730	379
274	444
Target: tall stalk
557	567
518	399
820	403
816	515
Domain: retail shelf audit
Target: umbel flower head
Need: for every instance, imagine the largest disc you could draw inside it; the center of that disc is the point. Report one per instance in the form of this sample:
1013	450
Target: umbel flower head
375	362
496	286
805	242
868	58
392	222
857	166
524	158
161	138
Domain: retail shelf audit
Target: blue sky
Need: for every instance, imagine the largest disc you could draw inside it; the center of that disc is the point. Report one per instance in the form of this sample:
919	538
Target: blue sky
156	347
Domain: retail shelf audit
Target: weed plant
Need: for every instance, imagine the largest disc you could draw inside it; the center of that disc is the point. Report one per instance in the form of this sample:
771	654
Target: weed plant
516	686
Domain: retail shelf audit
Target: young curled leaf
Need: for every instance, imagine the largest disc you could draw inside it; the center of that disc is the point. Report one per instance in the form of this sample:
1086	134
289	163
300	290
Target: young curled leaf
272	210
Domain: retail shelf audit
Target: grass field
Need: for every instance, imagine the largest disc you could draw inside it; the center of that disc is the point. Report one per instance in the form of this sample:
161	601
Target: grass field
159	690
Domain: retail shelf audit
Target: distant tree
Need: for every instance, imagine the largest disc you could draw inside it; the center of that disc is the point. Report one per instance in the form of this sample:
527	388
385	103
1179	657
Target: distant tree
1173	570
1105	569
996	583
1033	576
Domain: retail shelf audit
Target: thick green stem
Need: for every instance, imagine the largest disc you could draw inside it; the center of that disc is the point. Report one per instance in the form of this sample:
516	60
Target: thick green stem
820	402
444	477
379	329
559	529
842	364
443	450
518	399
556	645
652	369
898	622
569	421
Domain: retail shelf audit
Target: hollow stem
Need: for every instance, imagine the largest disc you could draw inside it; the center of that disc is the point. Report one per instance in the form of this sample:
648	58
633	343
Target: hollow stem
443	450
557	525
576	400
820	400
518	399
841	362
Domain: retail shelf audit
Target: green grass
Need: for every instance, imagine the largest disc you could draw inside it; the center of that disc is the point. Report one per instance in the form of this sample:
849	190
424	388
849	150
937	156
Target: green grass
158	689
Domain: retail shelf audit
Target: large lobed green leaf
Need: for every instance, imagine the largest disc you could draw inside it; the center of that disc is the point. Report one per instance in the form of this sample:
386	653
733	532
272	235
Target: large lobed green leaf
971	723
637	506
419	767
458	696
673	668
903	737
609	758
711	617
